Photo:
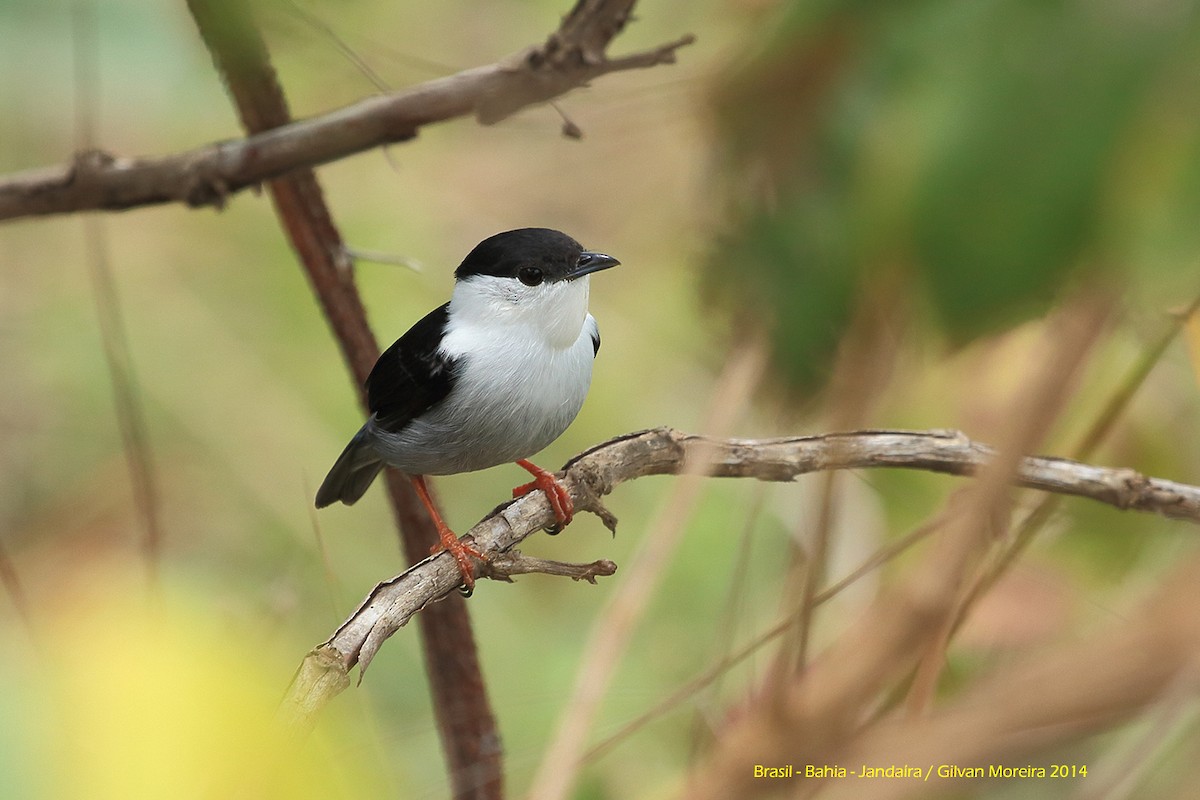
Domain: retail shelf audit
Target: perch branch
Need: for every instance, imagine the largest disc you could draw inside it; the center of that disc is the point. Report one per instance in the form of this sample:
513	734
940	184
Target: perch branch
663	451
571	57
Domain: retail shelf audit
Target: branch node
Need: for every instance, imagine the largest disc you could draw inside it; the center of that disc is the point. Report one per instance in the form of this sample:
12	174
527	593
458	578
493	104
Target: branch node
203	185
591	488
87	163
1128	487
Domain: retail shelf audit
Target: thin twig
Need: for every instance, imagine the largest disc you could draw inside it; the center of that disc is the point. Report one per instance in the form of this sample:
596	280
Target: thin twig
513	562
11	581
382	257
115	344
733	612
339	44
333	587
731	659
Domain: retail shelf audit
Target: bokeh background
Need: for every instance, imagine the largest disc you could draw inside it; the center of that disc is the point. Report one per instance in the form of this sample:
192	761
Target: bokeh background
947	172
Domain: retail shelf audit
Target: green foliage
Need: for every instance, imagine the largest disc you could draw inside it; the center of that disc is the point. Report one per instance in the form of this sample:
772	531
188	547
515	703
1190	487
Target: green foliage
981	148
810	307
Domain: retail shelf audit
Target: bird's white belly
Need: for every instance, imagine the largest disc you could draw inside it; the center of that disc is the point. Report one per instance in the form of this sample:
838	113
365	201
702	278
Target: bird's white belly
511	399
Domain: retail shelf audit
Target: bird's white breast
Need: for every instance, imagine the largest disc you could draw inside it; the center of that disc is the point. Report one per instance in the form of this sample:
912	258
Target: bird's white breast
524	368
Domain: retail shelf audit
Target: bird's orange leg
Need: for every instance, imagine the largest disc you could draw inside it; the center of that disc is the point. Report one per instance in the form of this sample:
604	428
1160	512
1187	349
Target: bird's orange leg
448	540
556	493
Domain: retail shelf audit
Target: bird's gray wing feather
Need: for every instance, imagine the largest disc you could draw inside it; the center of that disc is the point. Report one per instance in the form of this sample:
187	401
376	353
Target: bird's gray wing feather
408	379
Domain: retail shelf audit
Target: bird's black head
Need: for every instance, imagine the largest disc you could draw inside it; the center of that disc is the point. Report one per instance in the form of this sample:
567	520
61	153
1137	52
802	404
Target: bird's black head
532	256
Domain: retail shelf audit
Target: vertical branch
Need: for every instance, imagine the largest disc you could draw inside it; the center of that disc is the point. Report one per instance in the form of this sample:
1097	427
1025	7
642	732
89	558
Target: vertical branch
130	416
470	739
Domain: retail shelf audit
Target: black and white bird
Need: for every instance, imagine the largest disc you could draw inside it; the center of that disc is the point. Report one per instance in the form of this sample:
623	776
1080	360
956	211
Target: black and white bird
493	376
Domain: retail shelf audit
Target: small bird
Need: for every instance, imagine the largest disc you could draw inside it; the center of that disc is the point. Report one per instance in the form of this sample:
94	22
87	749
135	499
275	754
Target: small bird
493	376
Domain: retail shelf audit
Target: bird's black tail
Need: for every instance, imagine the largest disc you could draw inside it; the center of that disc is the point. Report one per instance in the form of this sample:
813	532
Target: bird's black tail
351	474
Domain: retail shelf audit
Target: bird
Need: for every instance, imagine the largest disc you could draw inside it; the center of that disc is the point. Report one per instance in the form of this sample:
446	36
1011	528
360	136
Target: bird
491	377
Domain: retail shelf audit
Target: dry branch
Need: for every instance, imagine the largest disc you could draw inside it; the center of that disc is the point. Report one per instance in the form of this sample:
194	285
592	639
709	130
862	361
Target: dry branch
664	451
571	56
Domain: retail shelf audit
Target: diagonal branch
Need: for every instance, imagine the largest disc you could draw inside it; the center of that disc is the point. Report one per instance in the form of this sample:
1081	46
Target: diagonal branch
663	451
571	57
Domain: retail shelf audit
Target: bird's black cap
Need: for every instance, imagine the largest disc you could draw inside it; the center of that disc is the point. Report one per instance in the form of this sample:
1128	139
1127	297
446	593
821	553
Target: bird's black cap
556	255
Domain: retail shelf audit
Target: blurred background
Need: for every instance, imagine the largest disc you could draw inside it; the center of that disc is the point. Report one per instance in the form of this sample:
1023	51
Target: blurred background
927	179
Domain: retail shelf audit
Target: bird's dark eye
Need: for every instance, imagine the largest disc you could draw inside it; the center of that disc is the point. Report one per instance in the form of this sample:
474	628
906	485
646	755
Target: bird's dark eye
530	276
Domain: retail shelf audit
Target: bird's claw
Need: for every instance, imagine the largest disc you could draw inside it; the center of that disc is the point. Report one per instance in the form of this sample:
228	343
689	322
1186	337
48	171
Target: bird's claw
557	494
462	553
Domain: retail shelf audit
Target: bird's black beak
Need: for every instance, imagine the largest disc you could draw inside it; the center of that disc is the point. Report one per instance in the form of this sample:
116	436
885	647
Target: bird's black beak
591	262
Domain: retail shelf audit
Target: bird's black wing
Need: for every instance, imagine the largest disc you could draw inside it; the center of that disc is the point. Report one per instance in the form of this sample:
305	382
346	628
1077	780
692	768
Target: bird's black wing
412	375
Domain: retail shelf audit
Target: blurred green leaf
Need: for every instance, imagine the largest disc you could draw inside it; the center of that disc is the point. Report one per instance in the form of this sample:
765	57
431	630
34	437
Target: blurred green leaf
982	147
794	267
1035	98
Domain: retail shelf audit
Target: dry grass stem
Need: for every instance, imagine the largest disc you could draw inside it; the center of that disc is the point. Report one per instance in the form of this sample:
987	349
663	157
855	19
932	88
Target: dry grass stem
612	631
1077	689
826	704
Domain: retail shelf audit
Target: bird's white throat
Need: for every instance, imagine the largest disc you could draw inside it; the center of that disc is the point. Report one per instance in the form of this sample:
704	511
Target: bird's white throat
553	313
523	366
